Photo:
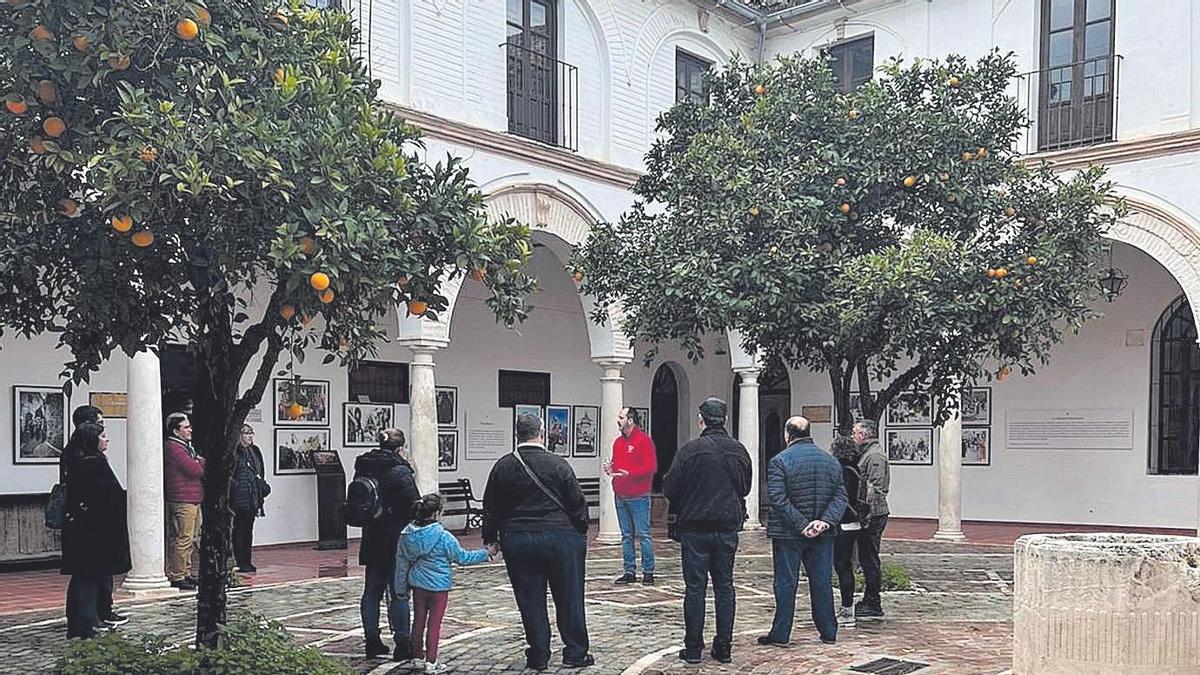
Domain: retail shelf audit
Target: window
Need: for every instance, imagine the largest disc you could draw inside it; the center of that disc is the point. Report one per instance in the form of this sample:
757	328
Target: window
1078	72
379	381
541	89
689	77
852	62
1175	392
517	386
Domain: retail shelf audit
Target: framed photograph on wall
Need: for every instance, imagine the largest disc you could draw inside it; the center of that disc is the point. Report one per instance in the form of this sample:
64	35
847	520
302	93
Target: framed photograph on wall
977	408
525	409
910	446
558	429
856	414
362	422
644	415
587	425
910	409
302	403
294	448
447	406
976	446
447	449
40	420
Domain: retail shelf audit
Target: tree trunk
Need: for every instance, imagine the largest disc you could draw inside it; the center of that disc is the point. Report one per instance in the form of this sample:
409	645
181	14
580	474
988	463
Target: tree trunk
839	382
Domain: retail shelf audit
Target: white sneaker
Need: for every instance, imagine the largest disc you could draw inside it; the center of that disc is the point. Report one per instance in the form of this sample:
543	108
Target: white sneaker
435	667
419	664
845	617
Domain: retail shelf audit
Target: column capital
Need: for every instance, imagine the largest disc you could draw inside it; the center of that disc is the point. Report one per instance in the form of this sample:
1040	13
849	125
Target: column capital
748	371
612	367
424	344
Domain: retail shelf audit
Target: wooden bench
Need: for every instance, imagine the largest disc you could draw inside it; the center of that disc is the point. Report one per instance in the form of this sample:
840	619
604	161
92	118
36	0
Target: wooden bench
591	491
460	500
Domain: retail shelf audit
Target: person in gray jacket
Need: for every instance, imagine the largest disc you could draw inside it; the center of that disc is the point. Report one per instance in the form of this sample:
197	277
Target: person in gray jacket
874	469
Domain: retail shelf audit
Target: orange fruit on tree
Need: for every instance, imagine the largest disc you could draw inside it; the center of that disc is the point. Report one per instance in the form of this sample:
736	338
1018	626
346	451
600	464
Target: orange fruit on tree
1010	211
910	181
37	145
187	29
760	89
1001	272
41	33
148	153
754	211
119	62
280	20
142	238
326	296
54	127
417	307
840	182
295	411
991	273
47	93
953	81
577	275
968	155
287	312
319	281
1002	374
80	42
122	223
980	153
844	208
68	207
853	114
279	75
479	274
16	106
203	17
308	245
1032	260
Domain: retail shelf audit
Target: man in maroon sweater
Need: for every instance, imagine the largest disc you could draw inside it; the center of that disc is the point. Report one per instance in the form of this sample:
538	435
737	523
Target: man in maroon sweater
183	473
632	468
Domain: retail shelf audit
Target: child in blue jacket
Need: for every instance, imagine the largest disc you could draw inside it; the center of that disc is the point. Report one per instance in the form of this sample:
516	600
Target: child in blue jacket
423	563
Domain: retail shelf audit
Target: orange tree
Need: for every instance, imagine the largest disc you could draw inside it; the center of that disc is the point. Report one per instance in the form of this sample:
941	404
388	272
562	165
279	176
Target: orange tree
220	173
887	236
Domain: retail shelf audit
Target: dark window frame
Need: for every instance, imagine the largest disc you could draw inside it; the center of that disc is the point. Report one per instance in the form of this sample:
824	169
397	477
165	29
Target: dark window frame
1050	114
1179	406
686	63
540	123
845	79
379	381
516	391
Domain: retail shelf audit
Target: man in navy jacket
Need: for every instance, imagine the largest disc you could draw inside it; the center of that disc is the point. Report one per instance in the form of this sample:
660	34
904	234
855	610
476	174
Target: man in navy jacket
804	486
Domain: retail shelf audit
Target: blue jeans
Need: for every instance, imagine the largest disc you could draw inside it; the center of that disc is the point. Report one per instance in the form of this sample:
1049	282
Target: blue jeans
705	555
817	556
556	558
378	583
633	514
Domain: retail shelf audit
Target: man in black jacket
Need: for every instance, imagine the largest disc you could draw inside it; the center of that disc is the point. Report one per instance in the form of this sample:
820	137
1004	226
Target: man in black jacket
707	487
377	550
533	506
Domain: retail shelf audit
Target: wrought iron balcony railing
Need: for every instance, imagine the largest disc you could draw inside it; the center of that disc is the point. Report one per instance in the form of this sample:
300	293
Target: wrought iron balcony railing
1071	105
543	97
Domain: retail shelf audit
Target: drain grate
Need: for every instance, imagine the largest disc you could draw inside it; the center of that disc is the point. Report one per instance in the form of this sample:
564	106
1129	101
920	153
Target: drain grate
886	666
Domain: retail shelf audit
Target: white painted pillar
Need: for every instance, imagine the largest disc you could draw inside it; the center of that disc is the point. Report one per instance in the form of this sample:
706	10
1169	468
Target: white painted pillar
144	476
748	435
612	399
950	479
423	440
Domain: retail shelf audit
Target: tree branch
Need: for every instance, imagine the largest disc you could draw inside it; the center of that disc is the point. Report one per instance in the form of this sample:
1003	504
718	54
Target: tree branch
254	394
904	381
253	338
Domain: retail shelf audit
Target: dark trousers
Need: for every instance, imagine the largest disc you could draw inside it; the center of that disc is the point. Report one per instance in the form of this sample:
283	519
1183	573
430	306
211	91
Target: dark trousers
843	563
869	541
817	557
378	583
243	537
104	601
708	555
83	596
557	558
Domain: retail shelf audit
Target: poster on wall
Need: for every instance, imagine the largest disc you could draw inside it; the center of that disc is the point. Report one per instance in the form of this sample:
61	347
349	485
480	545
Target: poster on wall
362	422
448	450
489	435
587	423
558	430
910	409
302	402
294	449
111	403
447	406
39	424
525	409
910	446
856	414
976	447
977	408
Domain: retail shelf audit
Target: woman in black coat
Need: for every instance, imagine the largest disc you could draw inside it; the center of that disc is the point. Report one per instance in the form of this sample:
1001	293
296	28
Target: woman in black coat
246	495
95	538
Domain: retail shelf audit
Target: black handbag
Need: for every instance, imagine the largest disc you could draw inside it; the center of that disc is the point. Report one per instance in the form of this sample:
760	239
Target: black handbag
56	507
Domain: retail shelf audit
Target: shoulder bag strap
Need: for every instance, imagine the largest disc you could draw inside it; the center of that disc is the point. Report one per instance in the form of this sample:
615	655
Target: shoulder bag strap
538	481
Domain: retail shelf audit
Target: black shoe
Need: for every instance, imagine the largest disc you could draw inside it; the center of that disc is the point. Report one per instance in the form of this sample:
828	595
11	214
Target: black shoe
863	610
724	655
690	657
402	652
587	660
648	579
113	619
829	641
184	584
626	578
375	648
247	569
767	641
536	666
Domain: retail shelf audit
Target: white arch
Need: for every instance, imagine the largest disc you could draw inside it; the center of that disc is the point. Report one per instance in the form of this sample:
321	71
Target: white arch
1165	233
545	208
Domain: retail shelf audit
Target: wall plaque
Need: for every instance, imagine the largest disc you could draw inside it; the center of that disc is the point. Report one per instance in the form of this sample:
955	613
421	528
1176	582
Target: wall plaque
1073	429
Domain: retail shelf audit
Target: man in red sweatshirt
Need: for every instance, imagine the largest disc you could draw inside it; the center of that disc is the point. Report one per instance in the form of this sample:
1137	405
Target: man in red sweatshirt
632	468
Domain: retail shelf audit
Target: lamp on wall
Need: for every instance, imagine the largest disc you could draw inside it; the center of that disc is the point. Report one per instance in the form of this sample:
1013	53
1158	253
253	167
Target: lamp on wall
1112	280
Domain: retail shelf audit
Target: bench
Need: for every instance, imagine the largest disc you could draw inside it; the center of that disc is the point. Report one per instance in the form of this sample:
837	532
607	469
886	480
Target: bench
460	500
591	491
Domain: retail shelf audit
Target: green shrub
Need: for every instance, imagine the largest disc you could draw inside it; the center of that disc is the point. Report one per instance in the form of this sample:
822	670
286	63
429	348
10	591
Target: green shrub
895	578
248	645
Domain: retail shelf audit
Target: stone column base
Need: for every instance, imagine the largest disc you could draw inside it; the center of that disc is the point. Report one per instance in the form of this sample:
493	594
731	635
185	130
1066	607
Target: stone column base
949	535
149	589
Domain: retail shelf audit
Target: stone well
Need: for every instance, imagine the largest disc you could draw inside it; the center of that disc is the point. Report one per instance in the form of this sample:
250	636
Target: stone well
1106	603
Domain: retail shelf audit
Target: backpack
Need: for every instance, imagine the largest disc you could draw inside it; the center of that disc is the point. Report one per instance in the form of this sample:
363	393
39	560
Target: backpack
859	501
363	505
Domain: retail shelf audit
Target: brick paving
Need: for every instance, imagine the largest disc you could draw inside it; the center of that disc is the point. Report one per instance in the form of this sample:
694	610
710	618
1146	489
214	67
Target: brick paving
956	620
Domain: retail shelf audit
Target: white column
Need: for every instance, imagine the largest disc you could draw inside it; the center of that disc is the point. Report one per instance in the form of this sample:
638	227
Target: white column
950	479
144	476
612	399
748	435
423	441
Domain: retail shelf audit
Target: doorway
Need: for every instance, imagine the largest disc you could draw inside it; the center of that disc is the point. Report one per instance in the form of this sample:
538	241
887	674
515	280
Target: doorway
664	420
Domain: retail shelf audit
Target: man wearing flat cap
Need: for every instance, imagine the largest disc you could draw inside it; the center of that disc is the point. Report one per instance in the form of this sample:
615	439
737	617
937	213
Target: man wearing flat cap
707	487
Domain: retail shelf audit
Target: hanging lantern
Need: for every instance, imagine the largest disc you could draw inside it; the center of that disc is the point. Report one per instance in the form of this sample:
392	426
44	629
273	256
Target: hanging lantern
1112	280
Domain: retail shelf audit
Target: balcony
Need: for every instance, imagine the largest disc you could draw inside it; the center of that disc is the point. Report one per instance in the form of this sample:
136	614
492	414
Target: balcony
1072	105
543	97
